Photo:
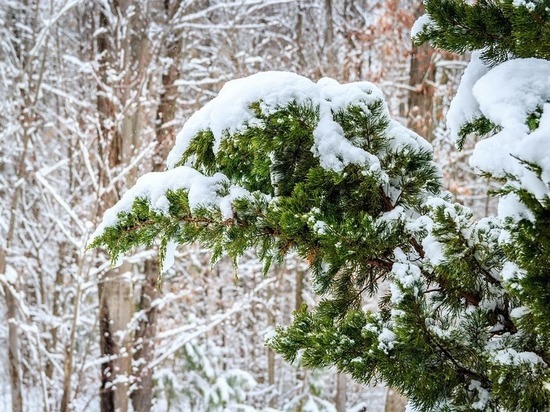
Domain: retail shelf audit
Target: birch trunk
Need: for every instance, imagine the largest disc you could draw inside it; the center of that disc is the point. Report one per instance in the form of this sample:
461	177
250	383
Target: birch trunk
341	388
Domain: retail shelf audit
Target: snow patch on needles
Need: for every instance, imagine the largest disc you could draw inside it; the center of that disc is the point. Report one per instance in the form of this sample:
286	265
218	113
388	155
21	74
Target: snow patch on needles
386	340
509	106
530	5
484	396
420	24
509	356
519	105
203	191
274	90
464	106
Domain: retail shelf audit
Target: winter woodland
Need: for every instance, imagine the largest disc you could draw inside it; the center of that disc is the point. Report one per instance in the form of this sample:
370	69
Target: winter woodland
93	94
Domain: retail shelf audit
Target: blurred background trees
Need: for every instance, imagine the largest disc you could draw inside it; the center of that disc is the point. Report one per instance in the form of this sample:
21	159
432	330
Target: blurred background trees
92	94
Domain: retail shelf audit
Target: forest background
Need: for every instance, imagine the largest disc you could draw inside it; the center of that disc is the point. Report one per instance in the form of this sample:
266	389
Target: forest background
92	94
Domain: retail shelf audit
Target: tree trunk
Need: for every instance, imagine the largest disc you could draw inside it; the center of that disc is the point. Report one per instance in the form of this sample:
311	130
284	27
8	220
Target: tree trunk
270	352
395	402
9	286
420	116
142	396
330	53
115	288
13	339
340	400
116	304
166	112
299	35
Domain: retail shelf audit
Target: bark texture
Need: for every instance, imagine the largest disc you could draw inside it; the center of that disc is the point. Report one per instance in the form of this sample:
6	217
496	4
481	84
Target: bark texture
420	116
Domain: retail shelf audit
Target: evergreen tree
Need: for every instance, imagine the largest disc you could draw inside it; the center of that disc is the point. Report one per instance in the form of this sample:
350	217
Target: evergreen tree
278	163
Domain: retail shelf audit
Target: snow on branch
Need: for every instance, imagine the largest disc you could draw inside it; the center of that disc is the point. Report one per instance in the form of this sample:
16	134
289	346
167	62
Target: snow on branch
268	137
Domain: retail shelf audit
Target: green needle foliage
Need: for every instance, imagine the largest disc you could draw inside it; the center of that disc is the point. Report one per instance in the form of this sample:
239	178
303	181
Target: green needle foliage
501	28
464	323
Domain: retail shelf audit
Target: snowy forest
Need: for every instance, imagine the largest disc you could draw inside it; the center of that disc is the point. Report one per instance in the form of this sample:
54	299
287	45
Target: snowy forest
274	205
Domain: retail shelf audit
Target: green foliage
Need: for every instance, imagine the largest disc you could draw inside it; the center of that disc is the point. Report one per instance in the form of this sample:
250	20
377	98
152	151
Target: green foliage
292	196
431	336
499	28
480	126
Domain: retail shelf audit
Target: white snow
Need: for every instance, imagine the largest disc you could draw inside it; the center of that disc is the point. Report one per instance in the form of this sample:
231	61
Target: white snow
484	396
269	334
511	206
509	356
406	275
507	95
10	274
230	112
519	312
403	138
397	213
411	408
386	340
420	24
511	272
526	84
320	227
529	4
169	258
464	107
433	250
203	192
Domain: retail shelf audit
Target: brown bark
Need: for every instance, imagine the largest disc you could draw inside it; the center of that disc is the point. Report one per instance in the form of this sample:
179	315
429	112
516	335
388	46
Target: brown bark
395	402
166	111
115	303
271	292
420	116
108	347
270	352
144	346
13	340
115	288
108	142
298	297
14	364
55	308
329	39
27	113
325	55
298	33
